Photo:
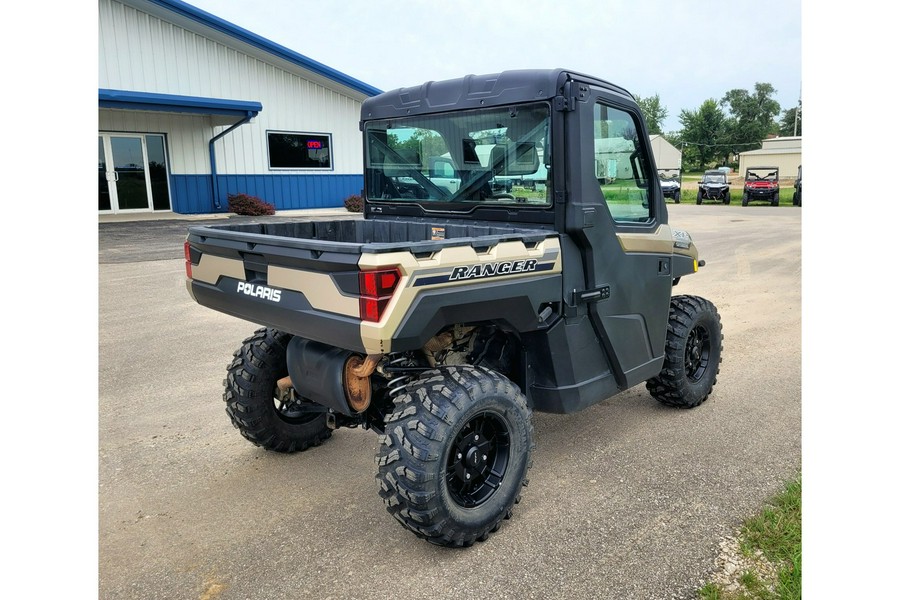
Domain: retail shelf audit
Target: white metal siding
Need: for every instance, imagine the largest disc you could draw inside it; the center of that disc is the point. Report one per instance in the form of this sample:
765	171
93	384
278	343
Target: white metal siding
787	162
187	135
782	143
665	154
140	52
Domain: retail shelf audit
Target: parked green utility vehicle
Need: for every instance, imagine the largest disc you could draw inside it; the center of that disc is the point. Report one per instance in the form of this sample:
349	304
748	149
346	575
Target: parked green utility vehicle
456	307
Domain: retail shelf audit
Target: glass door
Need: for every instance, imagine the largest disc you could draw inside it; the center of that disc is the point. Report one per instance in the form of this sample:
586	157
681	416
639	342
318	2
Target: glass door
105	200
130	183
133	174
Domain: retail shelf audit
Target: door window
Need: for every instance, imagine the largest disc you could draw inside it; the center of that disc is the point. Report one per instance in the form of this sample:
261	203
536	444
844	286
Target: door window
159	178
621	165
131	175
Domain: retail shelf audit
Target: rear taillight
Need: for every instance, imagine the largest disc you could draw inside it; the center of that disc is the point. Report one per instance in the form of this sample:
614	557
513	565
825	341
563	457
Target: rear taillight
187	260
375	291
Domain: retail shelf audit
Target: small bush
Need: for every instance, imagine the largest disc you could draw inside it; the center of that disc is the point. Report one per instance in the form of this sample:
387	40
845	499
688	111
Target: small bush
354	203
243	204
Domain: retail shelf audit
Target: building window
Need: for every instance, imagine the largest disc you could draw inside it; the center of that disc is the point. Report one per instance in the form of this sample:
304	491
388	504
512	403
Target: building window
289	150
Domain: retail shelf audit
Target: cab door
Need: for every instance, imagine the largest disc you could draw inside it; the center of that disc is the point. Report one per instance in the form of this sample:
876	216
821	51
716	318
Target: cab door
617	217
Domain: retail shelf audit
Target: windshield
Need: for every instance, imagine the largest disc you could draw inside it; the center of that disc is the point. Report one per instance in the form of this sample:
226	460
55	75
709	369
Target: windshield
762	175
489	156
714	178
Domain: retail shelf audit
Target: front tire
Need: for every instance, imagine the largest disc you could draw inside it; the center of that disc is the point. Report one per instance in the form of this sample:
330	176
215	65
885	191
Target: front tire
699	196
693	353
677	197
455	453
745	200
727	197
251	397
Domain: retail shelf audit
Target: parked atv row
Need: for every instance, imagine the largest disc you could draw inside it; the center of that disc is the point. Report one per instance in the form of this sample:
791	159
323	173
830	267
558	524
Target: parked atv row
761	184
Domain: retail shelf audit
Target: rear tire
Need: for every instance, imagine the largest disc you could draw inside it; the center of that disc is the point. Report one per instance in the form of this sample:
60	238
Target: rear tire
693	353
251	397
455	453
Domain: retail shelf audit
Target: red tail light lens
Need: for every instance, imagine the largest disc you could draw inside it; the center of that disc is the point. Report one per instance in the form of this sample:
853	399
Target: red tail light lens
375	291
187	260
375	284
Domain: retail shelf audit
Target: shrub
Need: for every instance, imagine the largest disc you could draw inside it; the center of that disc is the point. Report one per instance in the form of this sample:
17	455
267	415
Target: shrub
354	203
243	204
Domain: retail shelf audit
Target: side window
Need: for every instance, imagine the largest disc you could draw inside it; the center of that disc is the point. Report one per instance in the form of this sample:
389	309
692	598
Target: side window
621	165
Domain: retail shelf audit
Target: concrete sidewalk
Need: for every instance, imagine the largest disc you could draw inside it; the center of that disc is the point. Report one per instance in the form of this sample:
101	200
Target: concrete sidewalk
169	215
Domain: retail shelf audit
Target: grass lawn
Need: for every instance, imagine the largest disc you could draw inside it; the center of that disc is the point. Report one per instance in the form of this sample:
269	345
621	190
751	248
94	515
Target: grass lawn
776	533
785	197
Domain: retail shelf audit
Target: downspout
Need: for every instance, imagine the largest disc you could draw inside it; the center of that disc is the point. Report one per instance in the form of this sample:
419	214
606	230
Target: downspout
212	155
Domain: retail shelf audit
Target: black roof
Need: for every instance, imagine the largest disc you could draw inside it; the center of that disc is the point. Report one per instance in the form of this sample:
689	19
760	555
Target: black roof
476	91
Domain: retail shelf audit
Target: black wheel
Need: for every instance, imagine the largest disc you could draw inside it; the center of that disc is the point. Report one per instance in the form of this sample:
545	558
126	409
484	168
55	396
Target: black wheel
745	200
455	453
775	200
267	418
699	196
796	199
693	353
677	197
727	197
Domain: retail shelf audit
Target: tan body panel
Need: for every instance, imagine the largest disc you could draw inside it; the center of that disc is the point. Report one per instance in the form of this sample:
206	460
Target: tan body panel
660	241
377	337
319	289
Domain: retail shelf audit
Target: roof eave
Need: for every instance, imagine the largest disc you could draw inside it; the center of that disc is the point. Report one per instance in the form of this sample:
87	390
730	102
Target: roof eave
239	33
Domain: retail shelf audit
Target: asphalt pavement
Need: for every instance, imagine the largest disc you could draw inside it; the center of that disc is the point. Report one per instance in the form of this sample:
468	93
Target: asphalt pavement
627	499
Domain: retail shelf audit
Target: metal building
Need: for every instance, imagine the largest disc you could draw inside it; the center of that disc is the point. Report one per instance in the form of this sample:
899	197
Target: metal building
782	152
193	108
667	156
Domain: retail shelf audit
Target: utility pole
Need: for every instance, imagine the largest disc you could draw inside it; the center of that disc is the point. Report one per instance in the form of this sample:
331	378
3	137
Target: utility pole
797	112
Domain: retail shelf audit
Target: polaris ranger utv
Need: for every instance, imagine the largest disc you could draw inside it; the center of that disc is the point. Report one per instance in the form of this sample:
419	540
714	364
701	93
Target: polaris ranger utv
453	310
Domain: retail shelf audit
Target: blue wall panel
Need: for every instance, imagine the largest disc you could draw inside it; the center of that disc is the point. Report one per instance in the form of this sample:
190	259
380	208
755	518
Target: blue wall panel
192	194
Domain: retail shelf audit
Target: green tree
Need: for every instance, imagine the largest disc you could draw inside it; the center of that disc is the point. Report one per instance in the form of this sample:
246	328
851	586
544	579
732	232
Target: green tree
702	131
421	144
789	119
751	117
654	113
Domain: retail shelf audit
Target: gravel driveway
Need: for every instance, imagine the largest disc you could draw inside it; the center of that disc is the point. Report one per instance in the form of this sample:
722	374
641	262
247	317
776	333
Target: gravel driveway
628	499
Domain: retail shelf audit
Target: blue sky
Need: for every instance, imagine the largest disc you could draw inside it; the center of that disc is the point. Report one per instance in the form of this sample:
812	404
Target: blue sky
685	51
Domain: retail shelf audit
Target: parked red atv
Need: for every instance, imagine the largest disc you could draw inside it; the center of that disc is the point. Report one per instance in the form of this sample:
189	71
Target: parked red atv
761	183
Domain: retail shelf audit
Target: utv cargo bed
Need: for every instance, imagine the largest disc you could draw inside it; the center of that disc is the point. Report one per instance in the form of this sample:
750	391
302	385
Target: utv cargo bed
306	278
364	236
